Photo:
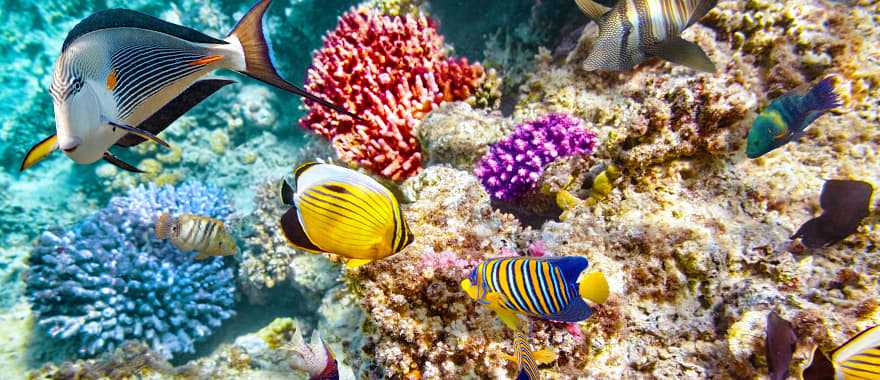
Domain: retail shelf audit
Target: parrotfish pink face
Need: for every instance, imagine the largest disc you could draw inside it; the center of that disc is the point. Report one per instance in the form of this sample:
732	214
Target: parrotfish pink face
79	127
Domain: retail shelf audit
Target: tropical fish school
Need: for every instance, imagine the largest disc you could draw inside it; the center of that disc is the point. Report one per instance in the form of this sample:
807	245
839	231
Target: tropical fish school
124	77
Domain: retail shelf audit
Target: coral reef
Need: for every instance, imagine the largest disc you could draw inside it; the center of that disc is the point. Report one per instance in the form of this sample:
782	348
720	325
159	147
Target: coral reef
109	279
459	135
513	166
391	71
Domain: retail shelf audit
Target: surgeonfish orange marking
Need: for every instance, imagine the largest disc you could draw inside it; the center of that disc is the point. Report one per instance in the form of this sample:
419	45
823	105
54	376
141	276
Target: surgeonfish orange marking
111	80
207	60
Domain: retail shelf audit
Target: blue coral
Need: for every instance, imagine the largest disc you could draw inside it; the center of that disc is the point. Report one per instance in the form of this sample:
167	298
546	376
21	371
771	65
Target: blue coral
513	166
109	279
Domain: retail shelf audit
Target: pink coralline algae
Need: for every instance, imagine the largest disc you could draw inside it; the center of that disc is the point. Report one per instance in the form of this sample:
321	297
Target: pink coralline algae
391	71
513	166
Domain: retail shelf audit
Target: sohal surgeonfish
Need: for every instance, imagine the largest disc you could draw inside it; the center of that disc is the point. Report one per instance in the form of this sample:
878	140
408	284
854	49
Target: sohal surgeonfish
844	204
632	31
858	358
123	77
187	232
787	117
546	288
315	358
343	212
527	360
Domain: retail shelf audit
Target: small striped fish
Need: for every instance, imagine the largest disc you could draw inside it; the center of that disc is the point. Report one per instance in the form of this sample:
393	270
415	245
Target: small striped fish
343	212
527	360
858	358
123	77
187	232
539	287
635	30
787	117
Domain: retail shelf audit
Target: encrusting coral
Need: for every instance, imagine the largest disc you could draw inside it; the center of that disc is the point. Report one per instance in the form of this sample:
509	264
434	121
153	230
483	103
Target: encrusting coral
459	135
391	71
109	279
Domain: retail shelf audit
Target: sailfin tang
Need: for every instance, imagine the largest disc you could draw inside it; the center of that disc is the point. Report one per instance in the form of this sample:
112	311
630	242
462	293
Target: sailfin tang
682	52
592	9
38	152
124	18
594	287
293	231
115	161
172	111
258	56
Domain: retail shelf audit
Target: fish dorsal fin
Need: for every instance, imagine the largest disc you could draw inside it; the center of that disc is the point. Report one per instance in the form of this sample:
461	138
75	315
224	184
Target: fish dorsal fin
570	266
868	339
592	9
302	168
172	111
124	18
702	8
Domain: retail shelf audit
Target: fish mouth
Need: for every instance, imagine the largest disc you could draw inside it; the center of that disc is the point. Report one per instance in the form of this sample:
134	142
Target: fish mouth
70	145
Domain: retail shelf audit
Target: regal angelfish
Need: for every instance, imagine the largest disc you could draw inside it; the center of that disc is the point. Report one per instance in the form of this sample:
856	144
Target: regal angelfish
187	232
123	77
527	360
635	30
546	288
343	212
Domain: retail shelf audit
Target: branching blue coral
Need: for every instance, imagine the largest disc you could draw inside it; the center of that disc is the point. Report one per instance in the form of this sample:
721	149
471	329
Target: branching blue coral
109	279
513	166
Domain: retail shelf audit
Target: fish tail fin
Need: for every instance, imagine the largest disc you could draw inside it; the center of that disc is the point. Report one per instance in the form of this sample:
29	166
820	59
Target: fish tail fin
258	55
163	226
544	356
594	287
822	96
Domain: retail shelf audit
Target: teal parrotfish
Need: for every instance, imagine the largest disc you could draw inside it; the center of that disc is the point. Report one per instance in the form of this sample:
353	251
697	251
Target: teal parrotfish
545	287
787	117
527	360
632	31
124	76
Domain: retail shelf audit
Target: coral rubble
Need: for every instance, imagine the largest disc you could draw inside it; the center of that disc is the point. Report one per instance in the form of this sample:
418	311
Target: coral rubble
391	71
109	279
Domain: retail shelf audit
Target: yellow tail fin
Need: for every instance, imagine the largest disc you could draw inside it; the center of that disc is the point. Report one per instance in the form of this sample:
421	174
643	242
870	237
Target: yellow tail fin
544	356
594	287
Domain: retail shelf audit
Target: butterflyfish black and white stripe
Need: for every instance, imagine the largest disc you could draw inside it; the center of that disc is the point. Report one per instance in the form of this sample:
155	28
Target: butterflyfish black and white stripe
188	232
858	358
123	77
634	30
343	212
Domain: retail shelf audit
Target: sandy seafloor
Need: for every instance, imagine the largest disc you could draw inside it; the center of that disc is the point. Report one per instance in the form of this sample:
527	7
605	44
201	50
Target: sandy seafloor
693	237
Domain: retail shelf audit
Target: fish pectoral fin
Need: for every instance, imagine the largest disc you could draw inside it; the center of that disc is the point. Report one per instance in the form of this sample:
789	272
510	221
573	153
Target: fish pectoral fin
508	357
354	263
592	9
683	52
39	151
140	133
115	161
544	356
510	319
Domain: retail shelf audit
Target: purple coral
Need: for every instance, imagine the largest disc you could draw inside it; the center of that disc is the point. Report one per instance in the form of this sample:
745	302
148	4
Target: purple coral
513	165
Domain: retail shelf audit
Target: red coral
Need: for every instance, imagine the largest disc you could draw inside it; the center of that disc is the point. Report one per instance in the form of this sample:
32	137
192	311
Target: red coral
392	71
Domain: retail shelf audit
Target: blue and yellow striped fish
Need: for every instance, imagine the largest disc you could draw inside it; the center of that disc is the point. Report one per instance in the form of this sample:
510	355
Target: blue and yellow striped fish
343	212
635	30
786	118
527	360
858	358
546	288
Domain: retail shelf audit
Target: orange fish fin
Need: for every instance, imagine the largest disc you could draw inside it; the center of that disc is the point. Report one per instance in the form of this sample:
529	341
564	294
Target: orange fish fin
207	60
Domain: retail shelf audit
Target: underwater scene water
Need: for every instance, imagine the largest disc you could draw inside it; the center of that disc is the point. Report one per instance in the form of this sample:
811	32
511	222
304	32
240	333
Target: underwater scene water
447	189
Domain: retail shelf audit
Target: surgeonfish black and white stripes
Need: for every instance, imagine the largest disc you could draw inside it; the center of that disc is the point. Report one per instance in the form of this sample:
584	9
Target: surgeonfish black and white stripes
634	30
340	211
187	232
123	77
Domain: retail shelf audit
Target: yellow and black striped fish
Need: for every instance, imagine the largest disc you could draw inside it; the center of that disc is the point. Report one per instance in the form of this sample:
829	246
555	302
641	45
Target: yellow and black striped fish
545	288
527	360
635	30
187	232
858	358
343	212
124	76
